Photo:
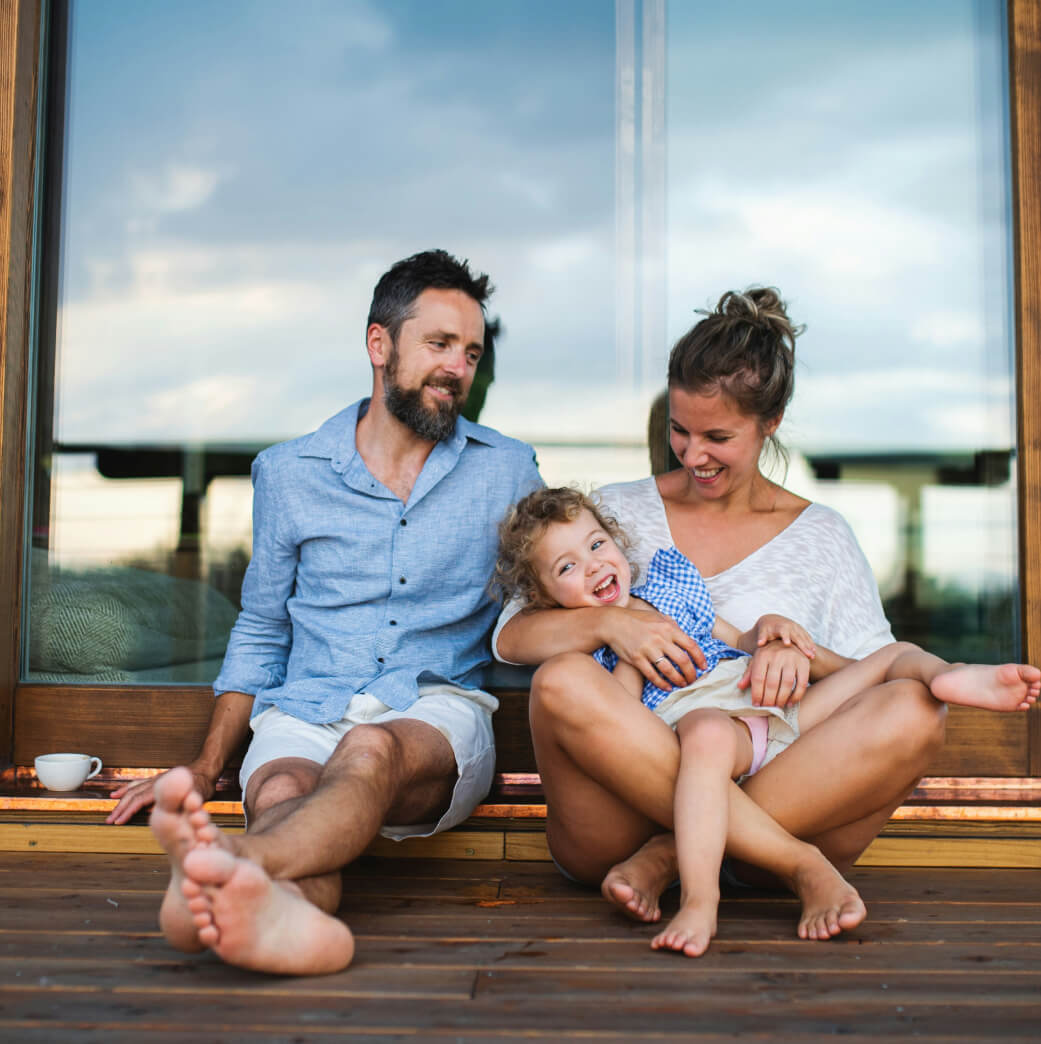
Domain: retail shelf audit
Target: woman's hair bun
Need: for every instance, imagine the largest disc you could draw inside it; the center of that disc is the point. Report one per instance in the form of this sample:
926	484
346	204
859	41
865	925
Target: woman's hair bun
744	347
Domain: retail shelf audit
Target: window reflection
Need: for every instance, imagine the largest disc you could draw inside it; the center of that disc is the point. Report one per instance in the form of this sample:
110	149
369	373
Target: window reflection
613	168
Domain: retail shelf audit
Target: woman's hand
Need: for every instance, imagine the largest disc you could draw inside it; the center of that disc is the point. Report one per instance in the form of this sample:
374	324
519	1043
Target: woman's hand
773	627
655	645
777	675
141	793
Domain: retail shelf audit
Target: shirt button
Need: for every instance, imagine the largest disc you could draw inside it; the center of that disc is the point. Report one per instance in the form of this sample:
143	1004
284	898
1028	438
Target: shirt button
401	580
379	659
404	521
393	623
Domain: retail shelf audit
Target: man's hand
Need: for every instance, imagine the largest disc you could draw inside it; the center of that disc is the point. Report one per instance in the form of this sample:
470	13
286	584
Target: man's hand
777	675
655	645
773	627
141	793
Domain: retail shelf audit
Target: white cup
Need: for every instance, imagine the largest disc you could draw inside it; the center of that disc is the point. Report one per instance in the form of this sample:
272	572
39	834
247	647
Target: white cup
66	771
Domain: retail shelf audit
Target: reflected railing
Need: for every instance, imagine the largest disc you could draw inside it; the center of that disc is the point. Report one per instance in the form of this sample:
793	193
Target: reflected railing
161	614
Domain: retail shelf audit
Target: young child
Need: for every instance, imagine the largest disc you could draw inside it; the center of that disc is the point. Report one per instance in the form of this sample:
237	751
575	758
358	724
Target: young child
557	549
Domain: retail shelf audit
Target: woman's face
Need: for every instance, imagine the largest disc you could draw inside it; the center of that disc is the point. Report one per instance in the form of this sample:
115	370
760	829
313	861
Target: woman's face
716	443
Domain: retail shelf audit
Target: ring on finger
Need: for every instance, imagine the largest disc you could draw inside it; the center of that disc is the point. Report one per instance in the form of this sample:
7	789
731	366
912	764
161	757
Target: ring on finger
660	658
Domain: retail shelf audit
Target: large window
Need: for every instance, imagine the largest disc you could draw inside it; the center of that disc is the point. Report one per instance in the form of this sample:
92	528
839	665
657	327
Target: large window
232	178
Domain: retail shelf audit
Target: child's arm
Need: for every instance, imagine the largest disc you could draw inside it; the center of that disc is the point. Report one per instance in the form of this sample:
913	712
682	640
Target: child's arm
768	628
784	659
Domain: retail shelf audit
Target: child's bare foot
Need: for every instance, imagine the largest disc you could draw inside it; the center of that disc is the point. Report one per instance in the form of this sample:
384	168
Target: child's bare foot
179	823
635	885
251	921
830	904
1009	687
691	930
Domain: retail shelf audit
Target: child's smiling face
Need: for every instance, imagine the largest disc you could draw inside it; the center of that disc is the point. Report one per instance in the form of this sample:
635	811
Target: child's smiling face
578	564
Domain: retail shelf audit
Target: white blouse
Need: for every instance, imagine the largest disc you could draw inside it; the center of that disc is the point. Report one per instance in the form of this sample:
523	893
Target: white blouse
813	572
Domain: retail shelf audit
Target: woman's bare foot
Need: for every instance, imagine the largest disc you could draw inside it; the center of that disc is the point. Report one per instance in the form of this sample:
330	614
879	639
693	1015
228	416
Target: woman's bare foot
830	904
635	885
179	823
692	929
1009	687
253	922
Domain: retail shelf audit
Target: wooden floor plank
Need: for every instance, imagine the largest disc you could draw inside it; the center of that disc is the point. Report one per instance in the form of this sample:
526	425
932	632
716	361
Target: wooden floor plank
759	1013
493	950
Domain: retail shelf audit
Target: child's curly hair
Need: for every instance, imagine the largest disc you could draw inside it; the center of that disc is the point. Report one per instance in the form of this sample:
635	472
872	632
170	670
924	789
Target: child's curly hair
524	526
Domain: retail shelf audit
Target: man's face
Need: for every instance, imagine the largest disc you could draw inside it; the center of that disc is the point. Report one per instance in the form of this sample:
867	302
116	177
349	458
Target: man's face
430	367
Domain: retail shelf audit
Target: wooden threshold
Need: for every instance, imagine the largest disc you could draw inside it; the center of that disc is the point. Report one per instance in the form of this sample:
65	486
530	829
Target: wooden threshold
977	822
518	795
931	845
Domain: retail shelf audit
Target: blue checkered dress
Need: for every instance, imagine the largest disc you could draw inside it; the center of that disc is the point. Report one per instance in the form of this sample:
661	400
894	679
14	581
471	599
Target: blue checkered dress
675	587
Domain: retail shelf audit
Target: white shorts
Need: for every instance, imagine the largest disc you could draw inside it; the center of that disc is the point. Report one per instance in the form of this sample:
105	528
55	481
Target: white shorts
718	688
462	716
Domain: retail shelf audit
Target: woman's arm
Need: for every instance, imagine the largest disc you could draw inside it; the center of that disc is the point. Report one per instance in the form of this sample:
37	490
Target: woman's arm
654	644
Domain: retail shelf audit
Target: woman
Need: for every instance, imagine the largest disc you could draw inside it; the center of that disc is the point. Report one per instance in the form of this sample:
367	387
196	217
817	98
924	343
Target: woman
608	767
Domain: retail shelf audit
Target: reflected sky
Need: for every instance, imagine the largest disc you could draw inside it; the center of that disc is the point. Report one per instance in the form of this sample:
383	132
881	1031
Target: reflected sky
239	174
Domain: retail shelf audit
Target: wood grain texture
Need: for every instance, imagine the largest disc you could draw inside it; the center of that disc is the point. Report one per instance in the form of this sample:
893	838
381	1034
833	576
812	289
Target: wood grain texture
493	952
1025	109
19	43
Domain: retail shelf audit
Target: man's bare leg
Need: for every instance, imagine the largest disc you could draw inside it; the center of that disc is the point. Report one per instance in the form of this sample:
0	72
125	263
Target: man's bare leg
175	820
399	773
252	921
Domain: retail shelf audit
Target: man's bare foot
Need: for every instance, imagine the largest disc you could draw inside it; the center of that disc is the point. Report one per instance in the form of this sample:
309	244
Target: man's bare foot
1009	687
635	885
179	823
692	929
253	922
830	904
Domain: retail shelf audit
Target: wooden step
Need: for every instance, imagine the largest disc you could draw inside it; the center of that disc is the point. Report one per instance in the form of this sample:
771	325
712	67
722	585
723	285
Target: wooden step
954	823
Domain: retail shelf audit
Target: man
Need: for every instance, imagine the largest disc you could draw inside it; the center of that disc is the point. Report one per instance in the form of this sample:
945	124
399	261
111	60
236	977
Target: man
362	636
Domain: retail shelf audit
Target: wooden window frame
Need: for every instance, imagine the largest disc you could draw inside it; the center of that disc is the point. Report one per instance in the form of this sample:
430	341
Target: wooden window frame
158	726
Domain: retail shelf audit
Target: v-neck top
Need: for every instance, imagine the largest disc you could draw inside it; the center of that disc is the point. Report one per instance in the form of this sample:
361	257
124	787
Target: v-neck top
813	572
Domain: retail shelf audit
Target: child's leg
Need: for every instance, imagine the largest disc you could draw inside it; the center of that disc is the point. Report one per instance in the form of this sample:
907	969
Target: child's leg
829	903
1008	687
1004	687
714	750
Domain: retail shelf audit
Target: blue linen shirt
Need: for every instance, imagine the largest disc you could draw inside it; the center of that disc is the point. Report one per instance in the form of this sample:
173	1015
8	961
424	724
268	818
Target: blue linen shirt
350	590
676	588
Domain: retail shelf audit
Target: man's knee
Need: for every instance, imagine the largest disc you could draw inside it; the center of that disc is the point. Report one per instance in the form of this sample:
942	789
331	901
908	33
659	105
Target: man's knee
280	781
373	747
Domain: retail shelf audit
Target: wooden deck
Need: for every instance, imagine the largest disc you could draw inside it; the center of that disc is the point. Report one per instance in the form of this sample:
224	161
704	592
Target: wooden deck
501	950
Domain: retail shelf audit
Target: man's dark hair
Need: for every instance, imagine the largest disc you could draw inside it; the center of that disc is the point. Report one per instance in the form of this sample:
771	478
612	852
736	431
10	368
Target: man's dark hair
402	283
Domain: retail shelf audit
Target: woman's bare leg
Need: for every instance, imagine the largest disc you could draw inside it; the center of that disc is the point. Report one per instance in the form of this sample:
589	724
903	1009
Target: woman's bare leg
834	788
712	812
838	784
593	742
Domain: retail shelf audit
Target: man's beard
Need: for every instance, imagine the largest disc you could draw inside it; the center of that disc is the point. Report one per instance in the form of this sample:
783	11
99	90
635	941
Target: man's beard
435	423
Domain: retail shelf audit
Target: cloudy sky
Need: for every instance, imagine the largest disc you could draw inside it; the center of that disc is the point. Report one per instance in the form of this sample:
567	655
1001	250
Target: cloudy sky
239	174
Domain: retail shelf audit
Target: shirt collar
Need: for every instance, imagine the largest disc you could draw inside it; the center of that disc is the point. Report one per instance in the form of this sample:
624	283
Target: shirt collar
335	441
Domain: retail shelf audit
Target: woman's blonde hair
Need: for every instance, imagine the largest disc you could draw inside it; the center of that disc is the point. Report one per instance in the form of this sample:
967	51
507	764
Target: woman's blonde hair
525	525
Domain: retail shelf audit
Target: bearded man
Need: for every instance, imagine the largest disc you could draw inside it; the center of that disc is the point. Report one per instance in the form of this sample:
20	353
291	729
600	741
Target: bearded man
356	660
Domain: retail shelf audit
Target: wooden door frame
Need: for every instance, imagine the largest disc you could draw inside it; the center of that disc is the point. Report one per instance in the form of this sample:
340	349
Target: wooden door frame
20	31
20	22
1024	18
